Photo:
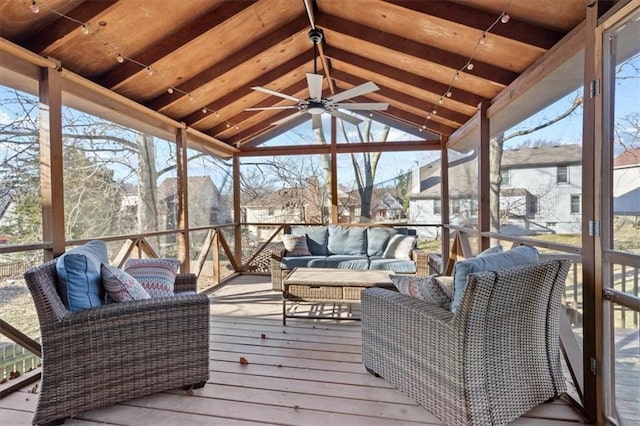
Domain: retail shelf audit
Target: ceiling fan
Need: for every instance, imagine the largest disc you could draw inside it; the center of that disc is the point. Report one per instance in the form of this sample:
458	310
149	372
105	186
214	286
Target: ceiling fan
315	104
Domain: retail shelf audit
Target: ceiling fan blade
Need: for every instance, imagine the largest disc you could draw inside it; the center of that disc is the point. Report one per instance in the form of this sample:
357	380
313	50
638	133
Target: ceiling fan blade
271	107
274	93
346	117
315	85
317	121
363	89
363	106
288	118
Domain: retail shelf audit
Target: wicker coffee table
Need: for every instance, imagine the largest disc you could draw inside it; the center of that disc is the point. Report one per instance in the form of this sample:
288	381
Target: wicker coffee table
329	285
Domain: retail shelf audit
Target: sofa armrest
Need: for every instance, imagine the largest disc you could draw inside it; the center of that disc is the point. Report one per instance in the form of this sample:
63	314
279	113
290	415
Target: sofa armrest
278	254
185	282
421	258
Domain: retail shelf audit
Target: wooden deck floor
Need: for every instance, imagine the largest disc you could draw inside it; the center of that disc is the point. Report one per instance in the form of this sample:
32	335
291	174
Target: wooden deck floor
306	373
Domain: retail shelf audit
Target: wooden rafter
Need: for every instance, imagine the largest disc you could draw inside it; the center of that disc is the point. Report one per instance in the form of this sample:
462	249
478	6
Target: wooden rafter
236	95
424	52
518	30
401	75
229	63
194	29
56	33
402	97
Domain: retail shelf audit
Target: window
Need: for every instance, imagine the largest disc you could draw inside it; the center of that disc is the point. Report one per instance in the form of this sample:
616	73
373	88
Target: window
455	206
437	208
575	204
270	212
562	175
504	178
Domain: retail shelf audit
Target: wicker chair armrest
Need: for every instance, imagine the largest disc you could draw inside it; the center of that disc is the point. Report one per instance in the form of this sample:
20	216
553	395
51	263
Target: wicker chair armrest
185	282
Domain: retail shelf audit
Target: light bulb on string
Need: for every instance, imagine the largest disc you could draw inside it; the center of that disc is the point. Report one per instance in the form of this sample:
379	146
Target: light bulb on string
120	58
440	101
434	112
237	127
190	96
228	125
170	90
449	94
505	18
204	110
34	7
429	116
457	76
150	70
85	29
470	66
217	114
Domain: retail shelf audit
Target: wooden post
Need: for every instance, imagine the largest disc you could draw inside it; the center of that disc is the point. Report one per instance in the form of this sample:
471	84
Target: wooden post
182	194
51	165
334	171
444	199
591	261
237	230
484	177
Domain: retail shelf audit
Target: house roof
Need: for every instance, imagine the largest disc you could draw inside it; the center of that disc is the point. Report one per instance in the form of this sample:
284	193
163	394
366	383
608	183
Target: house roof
196	61
540	156
630	157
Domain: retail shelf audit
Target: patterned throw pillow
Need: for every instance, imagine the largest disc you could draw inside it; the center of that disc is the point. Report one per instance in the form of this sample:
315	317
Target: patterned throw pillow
120	286
295	245
423	288
155	275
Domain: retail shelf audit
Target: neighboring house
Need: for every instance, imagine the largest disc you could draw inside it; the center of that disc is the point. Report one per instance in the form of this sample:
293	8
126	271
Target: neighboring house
541	191
283	206
626	184
206	205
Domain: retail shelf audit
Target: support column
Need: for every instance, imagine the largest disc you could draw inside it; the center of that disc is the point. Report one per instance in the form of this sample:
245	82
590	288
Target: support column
444	200
334	171
182	194
484	177
237	230
51	164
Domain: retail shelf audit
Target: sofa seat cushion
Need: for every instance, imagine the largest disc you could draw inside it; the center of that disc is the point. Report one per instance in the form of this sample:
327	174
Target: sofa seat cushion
401	266
347	240
298	261
79	278
342	262
520	255
316	238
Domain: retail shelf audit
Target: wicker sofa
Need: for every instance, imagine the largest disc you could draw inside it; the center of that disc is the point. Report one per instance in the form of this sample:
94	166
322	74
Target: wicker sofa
493	360
350	247
100	356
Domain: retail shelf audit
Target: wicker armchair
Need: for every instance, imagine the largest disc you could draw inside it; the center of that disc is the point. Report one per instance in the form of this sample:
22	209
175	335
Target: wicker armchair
493	360
120	351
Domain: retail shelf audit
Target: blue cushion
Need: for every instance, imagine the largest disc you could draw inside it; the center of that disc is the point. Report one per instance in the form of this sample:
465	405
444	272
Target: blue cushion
520	255
79	283
377	239
347	240
298	261
395	265
316	238
341	262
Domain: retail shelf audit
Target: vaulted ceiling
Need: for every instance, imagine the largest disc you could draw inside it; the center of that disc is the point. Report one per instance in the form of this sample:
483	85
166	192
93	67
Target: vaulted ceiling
196	60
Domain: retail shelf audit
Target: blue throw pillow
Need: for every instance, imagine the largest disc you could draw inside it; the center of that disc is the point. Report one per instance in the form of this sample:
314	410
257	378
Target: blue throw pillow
316	238
79	283
377	239
520	255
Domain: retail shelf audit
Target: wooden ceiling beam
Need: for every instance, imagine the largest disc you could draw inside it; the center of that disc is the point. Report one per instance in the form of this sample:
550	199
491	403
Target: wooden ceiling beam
515	29
402	75
410	118
244	90
194	29
271	100
56	32
230	62
343	148
402	97
421	51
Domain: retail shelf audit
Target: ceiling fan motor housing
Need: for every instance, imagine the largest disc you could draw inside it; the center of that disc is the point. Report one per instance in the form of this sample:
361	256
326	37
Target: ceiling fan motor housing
315	35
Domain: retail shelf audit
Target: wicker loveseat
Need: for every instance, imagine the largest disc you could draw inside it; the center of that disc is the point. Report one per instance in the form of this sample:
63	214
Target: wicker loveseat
493	360
100	356
351	247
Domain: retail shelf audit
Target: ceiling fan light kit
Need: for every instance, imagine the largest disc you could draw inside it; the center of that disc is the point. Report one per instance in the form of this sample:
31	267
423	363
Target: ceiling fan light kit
315	104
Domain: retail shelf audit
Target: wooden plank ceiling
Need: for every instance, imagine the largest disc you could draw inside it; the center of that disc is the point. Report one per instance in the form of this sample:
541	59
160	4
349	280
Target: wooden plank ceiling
196	60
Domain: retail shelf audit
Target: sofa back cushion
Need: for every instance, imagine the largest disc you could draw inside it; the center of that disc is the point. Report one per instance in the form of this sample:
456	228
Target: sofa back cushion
520	255
377	239
349	240
317	237
79	283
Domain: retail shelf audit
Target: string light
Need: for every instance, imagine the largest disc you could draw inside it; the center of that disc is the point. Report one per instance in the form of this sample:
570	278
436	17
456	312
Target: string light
504	18
121	57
